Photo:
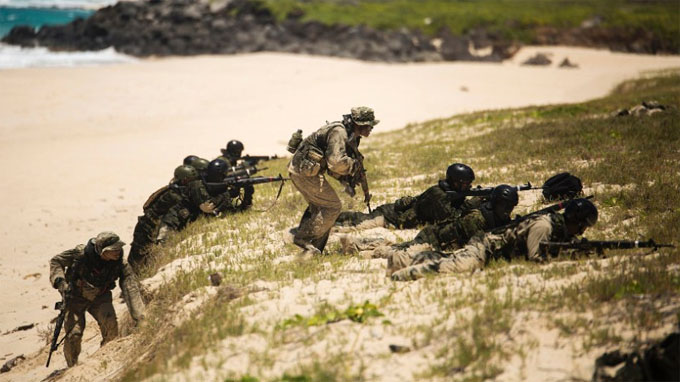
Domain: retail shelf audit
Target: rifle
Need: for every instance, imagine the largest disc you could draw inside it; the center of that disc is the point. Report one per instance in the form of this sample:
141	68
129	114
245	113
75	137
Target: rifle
236	182
599	246
518	219
61	307
359	176
255	159
242	170
486	191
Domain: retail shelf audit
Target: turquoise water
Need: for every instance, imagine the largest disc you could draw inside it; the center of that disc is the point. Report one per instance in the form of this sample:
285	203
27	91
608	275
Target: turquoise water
37	17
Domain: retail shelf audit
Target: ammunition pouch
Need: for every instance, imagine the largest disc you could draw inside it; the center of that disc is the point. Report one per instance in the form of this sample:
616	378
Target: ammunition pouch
308	161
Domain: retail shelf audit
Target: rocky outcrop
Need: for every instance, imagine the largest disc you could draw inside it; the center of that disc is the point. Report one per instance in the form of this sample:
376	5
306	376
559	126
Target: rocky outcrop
184	27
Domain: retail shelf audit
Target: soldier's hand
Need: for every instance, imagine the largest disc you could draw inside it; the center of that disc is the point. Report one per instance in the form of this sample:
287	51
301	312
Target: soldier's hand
61	285
207	207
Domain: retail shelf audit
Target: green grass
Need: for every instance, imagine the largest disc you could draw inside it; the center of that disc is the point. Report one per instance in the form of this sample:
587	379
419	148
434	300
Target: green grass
510	19
480	320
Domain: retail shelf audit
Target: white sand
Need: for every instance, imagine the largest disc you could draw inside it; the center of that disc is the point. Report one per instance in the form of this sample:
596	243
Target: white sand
82	148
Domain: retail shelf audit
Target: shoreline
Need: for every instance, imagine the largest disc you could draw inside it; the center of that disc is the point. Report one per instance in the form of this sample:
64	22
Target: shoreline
85	146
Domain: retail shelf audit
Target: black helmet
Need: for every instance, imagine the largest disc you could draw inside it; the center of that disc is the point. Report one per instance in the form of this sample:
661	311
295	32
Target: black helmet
234	147
217	168
185	173
189	159
459	172
505	194
582	212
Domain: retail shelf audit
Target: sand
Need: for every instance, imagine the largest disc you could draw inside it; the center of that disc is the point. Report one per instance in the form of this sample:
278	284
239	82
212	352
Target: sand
83	147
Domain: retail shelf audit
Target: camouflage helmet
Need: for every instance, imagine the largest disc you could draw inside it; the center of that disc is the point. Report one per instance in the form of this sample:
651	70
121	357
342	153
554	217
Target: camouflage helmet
459	172
107	241
363	116
185	173
189	159
581	212
200	164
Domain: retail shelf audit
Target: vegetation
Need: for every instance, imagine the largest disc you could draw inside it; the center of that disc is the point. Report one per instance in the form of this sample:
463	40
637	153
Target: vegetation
279	319
509	19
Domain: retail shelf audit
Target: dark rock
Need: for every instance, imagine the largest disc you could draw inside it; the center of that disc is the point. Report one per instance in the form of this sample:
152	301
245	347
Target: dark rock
539	59
21	35
399	349
658	362
567	64
215	279
12	363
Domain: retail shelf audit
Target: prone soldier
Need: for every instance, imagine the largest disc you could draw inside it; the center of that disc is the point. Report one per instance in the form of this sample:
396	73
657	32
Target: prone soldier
432	206
85	276
159	204
513	240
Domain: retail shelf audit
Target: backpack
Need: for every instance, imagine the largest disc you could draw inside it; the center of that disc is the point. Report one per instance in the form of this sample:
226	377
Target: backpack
562	186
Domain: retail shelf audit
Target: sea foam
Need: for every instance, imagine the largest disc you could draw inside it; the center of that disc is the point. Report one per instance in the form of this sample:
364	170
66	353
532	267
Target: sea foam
17	57
67	4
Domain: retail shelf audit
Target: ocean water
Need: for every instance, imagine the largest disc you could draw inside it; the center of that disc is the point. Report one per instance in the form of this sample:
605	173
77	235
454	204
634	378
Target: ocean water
37	13
37	17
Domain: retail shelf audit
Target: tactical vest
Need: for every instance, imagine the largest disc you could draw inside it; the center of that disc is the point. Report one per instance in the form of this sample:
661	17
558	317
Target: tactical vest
310	157
97	272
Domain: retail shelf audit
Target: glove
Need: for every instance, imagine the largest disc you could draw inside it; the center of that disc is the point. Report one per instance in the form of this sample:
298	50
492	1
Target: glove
61	285
207	207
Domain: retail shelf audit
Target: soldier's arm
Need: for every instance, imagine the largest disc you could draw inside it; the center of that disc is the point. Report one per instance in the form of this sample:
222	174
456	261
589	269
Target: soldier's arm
60	262
336	154
538	231
470	225
132	293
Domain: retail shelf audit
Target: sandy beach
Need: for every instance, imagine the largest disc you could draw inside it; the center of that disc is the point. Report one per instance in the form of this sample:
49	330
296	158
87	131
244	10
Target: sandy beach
84	147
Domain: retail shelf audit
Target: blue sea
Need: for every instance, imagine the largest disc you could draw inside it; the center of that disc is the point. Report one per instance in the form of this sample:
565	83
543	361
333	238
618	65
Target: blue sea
37	13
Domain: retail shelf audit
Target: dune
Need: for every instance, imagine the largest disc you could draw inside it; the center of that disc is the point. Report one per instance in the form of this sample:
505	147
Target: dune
82	148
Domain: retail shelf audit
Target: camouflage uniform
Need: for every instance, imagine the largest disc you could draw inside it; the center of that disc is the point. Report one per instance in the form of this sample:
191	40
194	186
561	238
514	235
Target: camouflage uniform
323	150
431	206
189	208
148	225
521	240
91	280
249	189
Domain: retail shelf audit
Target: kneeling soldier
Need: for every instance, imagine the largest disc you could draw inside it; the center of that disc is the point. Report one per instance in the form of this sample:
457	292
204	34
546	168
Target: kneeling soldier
522	239
85	277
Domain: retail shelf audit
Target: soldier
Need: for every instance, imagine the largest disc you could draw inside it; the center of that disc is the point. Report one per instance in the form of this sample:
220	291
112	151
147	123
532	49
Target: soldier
326	150
448	234
85	277
522	239
431	206
232	156
159	203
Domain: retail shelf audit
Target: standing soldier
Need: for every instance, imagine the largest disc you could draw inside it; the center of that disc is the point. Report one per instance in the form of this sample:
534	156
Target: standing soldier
522	239
326	150
159	203
85	277
433	205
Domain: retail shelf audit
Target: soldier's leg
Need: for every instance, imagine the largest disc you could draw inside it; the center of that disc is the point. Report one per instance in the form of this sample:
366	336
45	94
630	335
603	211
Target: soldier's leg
324	209
248	191
400	256
142	238
467	259
102	311
74	327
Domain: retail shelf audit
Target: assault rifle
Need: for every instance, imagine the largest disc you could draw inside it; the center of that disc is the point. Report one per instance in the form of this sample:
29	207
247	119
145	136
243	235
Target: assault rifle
255	159
599	246
238	182
359	176
518	219
59	323
486	191
242	170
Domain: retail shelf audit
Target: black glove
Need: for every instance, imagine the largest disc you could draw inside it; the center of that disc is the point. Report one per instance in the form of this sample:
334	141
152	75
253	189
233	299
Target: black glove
61	285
